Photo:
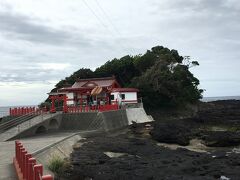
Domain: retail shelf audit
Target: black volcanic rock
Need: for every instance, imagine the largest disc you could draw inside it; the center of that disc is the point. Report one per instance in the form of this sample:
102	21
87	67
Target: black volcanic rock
142	159
221	138
171	133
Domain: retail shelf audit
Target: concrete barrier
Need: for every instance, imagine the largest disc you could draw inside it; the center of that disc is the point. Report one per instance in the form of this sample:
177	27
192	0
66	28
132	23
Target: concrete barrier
48	125
105	121
137	115
78	121
114	120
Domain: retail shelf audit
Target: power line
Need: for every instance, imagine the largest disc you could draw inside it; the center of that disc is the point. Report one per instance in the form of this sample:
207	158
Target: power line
107	17
101	22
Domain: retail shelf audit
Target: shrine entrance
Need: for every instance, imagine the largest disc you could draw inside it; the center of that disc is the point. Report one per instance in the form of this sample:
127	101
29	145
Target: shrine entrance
58	98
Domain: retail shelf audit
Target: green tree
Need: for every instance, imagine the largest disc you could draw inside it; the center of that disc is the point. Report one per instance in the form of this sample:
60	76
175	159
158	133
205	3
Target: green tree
161	74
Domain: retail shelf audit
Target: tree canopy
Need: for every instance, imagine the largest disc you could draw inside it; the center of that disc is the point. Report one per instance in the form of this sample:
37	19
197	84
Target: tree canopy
161	74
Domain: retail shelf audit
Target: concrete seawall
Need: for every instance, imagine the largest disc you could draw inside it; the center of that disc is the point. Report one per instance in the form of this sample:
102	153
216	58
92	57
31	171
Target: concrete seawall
104	121
71	127
114	120
78	121
137	115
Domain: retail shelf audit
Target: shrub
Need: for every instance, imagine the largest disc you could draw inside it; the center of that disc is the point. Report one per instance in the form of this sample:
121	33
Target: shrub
56	165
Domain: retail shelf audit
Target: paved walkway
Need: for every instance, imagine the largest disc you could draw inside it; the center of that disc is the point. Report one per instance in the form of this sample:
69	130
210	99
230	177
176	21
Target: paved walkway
32	144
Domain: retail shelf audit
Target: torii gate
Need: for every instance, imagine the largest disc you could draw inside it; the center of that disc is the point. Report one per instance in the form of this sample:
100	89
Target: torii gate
58	97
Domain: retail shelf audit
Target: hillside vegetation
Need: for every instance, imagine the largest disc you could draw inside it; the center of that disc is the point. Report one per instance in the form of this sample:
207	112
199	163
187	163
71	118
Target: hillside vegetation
161	75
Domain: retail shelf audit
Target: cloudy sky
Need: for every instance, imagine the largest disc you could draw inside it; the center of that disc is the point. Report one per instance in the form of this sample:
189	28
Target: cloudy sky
44	41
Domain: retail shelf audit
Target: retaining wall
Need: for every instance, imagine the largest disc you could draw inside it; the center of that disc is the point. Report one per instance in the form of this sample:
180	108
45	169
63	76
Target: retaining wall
78	121
114	120
103	121
49	125
137	115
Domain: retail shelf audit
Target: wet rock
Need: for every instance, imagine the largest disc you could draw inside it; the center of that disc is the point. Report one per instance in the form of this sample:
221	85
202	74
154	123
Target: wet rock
145	160
221	138
171	133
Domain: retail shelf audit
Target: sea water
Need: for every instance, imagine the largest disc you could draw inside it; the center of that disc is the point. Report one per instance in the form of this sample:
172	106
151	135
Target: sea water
4	111
208	99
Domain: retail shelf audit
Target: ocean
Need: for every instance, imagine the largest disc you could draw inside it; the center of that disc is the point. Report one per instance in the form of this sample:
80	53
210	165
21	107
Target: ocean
4	110
207	99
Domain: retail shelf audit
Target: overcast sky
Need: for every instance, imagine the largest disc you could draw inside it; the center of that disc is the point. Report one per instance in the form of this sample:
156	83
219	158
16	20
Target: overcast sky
41	42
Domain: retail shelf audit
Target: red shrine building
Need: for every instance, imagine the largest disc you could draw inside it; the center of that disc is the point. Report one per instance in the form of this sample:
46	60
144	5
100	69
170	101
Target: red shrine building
94	92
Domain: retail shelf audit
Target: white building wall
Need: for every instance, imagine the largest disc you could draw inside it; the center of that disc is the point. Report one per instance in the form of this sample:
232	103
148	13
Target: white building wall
130	97
70	96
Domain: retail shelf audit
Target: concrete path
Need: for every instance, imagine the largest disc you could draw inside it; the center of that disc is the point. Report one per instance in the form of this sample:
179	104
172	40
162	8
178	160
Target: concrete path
32	144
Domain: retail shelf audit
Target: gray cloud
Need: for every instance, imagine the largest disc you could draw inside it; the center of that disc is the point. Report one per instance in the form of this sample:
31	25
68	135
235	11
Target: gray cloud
17	26
30	75
207	30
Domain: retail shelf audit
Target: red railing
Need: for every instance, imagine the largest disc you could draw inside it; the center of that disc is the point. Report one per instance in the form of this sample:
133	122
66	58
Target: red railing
19	111
26	166
108	107
94	108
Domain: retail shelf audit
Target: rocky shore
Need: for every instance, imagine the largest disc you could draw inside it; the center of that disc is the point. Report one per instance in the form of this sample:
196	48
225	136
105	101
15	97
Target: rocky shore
145	151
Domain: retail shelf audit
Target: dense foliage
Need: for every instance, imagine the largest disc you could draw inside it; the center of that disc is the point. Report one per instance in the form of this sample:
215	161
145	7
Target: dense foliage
162	76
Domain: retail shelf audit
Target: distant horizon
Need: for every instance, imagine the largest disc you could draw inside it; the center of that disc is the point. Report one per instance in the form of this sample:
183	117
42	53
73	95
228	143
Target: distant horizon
20	105
220	96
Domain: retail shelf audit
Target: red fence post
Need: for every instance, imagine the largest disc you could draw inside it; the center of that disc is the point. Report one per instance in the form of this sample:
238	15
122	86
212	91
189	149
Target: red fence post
16	149
27	157
20	156
19	153
38	171
24	152
31	163
24	164
65	107
15	111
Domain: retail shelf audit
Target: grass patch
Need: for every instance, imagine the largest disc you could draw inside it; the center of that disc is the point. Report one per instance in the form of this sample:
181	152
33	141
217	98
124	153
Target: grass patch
57	165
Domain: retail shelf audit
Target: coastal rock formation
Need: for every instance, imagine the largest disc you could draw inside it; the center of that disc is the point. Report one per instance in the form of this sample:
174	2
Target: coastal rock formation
171	133
216	123
131	157
221	138
136	155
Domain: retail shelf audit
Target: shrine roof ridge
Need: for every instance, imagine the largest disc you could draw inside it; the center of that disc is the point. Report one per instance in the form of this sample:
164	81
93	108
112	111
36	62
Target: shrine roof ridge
96	79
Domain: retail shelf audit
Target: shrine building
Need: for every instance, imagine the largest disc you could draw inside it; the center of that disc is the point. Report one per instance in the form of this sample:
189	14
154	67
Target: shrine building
95	92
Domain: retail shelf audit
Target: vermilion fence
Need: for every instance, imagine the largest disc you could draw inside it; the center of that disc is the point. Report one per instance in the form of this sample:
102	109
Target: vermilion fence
26	166
108	107
19	111
100	108
71	109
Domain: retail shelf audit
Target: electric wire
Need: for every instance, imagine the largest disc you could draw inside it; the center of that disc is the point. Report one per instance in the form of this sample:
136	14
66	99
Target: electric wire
102	23
107	17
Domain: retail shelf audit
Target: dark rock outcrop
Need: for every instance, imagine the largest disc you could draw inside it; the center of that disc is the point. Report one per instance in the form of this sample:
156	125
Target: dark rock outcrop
221	138
171	133
142	159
